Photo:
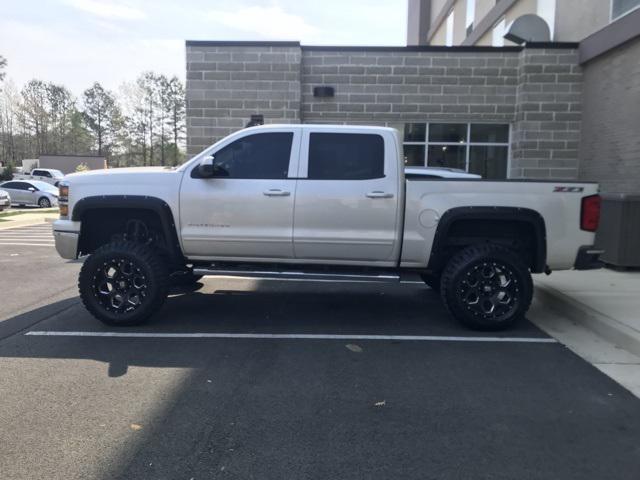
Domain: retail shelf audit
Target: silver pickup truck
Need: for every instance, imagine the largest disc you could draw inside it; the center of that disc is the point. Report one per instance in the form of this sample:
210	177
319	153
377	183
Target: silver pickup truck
319	202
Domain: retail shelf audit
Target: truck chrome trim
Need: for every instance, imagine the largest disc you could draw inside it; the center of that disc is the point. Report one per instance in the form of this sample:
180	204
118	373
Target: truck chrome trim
66	244
295	275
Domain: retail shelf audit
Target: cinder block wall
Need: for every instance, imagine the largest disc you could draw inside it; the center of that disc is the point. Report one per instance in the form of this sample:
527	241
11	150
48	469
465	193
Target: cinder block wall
404	86
610	148
536	90
546	133
226	84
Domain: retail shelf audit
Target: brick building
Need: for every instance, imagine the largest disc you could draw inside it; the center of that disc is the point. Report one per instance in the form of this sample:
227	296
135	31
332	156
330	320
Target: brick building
541	110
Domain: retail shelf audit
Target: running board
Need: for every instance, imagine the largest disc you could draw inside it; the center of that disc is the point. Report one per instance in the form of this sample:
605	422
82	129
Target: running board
383	277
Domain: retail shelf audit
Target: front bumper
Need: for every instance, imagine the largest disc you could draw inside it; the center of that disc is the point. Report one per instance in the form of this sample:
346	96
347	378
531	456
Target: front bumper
66	234
5	202
588	258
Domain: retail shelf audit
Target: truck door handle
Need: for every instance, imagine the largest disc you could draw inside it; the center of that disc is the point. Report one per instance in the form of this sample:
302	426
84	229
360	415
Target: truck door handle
379	194
274	192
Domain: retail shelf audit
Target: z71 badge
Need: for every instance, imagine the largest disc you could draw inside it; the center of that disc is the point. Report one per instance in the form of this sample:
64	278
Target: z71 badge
568	189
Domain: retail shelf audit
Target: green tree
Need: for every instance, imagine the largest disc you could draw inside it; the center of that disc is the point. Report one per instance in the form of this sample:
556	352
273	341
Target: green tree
101	114
7	172
176	115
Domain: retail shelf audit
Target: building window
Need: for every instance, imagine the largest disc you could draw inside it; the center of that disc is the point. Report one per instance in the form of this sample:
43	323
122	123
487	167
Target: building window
481	148
471	13
497	36
449	30
620	8
546	9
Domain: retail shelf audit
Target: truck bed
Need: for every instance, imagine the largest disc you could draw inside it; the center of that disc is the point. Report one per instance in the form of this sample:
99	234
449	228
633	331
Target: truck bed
556	201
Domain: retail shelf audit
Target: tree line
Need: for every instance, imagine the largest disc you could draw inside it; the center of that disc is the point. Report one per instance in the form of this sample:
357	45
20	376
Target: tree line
141	124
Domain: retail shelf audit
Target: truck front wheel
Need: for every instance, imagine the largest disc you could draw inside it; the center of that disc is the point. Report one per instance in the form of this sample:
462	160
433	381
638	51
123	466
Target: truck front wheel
123	283
486	287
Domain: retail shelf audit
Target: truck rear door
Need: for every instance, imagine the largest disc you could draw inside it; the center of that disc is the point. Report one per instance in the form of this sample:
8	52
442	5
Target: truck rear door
347	205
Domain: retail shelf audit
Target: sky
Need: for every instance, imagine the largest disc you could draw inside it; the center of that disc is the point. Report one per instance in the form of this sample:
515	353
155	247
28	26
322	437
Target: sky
77	42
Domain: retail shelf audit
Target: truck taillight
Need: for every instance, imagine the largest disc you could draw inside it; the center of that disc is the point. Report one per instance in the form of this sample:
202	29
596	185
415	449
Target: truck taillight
63	199
590	214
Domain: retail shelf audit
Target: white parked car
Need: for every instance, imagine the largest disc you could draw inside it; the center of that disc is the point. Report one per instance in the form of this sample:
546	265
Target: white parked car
5	200
36	193
47	175
320	202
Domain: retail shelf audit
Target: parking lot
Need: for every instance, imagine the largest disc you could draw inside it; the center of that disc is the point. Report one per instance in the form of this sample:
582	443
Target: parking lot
301	380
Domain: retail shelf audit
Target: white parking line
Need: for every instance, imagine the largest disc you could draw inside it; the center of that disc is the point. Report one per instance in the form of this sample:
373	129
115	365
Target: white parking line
297	336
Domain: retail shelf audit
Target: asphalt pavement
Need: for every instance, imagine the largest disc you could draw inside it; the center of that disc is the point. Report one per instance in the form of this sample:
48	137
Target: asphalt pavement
258	379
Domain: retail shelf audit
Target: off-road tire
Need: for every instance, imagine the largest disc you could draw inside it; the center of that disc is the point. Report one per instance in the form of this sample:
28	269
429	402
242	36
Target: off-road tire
144	268
499	279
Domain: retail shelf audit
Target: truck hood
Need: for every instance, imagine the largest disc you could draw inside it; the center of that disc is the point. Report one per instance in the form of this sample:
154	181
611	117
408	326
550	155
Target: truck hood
120	176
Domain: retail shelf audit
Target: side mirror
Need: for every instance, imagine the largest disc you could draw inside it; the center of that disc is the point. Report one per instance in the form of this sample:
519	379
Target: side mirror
207	169
31	189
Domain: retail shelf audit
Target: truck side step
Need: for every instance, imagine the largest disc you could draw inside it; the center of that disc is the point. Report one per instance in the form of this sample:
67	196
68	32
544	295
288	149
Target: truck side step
303	275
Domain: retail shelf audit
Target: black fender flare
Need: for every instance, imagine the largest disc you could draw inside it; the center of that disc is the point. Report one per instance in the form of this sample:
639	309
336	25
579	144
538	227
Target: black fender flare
524	215
143	202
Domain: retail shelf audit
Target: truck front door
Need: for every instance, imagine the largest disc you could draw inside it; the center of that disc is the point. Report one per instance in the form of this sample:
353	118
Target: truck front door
347	206
245	211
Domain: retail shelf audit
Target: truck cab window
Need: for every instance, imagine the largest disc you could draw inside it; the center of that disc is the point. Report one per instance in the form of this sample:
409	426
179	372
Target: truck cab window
345	156
259	156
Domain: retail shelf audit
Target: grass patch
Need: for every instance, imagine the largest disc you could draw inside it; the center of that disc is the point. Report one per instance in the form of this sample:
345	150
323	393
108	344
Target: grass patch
9	213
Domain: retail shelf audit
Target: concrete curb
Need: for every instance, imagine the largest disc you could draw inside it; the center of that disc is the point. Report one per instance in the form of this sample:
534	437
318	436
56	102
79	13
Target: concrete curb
607	327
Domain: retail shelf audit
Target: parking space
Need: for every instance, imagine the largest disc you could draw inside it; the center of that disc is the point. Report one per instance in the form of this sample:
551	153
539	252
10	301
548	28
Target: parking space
38	235
261	379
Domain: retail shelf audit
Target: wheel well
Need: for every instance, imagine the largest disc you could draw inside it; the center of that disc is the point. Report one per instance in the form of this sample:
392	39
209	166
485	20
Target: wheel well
104	225
525	236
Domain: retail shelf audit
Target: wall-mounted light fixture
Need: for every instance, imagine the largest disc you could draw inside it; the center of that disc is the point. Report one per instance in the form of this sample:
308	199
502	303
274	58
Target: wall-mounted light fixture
324	92
255	121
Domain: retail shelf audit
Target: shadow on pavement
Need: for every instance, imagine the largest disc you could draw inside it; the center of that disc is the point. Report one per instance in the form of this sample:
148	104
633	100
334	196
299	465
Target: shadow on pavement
318	410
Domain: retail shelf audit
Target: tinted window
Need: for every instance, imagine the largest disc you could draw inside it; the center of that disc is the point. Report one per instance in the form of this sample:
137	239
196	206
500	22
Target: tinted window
19	186
13	185
264	155
415	132
489	133
345	156
448	132
448	156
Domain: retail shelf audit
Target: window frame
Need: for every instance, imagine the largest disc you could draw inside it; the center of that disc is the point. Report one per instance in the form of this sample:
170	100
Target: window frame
613	19
449	29
294	156
498	41
470	13
467	144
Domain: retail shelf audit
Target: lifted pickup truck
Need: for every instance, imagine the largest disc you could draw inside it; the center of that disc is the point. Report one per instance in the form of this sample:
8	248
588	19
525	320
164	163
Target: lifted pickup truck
319	202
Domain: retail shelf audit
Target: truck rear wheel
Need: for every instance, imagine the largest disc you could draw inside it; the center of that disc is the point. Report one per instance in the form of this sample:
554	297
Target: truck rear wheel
123	283
486	287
